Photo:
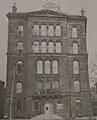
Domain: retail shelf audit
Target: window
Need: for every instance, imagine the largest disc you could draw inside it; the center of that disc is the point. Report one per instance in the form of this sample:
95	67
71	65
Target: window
59	107
76	67
76	86
19	87
58	31
55	85
74	32
36	105
78	104
36	30
35	47
20	46
51	47
18	105
47	67
58	47
47	85
43	30
55	67
50	30
43	47
39	85
39	67
75	48
20	30
19	67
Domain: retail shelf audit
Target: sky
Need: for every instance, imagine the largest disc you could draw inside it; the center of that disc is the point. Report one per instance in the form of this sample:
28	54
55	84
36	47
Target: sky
67	6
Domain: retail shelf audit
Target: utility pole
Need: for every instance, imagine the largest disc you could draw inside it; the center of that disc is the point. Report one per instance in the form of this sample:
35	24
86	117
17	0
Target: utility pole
12	90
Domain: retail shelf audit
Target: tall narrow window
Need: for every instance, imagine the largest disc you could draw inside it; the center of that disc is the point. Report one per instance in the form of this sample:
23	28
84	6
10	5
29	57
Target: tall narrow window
58	30
47	67
39	67
75	48
51	47
19	67
55	67
43	47
18	105
20	30
78	104
18	87
47	85
76	86
74	32
43	30
55	85
20	46
36	30
76	67
50	30
35	47
58	47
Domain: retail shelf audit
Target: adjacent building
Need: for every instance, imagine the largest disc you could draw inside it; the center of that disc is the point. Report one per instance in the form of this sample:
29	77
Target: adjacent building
48	61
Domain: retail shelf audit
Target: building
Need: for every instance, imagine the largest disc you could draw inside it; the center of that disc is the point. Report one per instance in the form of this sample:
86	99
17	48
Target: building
2	99
47	51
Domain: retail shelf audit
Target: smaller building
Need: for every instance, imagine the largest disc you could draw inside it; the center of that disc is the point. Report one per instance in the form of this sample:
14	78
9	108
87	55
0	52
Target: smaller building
2	99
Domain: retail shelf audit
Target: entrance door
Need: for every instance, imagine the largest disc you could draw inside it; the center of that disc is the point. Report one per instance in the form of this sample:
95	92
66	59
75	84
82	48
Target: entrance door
48	109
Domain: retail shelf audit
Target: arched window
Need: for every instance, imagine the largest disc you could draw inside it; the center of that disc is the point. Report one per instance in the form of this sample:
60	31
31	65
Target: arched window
43	47
18	87
55	67
51	47
78	104
47	85
76	67
58	30
43	30
39	67
50	30
36	30
76	86
20	30
74	32
35	47
47	67
19	67
75	48
58	47
55	85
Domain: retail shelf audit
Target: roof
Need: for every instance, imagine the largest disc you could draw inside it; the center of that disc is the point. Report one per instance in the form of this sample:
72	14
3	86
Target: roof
44	117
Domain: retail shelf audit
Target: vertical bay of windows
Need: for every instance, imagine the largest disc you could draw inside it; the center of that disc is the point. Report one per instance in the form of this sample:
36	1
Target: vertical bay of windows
43	47
39	67
55	67
43	30
36	30
58	47
47	67
50	30
51	47
75	67
35	47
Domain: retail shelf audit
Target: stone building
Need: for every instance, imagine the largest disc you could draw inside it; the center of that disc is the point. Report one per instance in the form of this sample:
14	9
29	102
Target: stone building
48	52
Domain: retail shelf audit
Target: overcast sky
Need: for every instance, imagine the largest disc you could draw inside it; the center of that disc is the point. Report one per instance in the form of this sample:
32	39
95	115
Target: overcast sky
68	6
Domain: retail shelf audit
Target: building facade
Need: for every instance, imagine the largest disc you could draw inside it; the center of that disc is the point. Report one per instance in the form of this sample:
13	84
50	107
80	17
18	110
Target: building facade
48	50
